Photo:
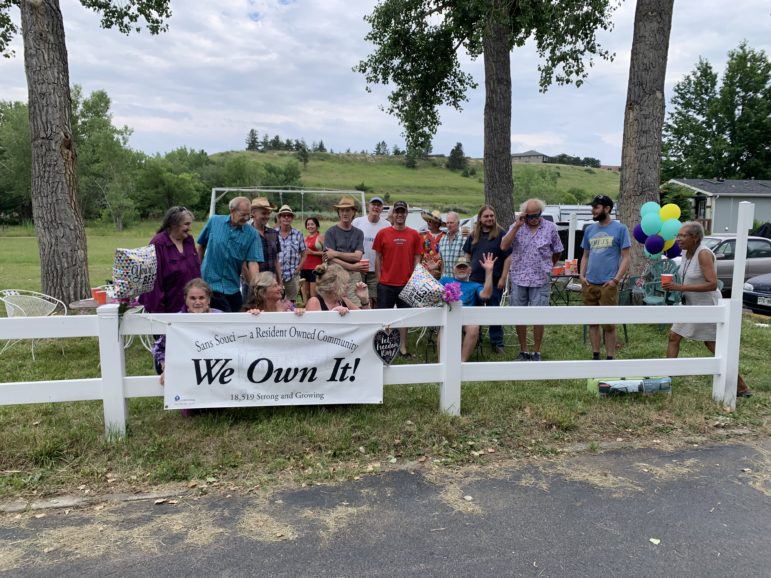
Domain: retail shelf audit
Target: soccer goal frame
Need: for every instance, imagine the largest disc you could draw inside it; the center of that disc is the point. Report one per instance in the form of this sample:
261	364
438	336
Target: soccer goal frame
218	193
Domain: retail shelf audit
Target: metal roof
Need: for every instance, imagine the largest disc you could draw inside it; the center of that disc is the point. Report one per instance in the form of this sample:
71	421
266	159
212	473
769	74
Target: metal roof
726	187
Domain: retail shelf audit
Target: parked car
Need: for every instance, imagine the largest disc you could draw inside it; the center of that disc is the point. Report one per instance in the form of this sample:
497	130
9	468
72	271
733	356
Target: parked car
724	248
757	294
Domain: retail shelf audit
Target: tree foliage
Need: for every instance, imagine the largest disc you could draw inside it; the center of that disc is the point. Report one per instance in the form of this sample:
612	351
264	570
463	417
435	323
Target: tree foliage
457	161
418	43
721	130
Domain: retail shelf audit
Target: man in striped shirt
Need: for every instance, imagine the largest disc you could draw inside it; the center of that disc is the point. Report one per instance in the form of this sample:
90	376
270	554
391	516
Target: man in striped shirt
292	255
225	243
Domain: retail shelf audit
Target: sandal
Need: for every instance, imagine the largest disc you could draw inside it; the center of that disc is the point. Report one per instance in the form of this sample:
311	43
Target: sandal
405	355
744	393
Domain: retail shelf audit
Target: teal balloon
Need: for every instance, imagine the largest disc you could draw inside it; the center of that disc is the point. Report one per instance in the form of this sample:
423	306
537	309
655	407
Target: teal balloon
651	223
651	256
669	229
650	207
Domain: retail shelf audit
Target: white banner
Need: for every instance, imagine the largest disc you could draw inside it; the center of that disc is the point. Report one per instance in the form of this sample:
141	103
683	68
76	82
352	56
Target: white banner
239	364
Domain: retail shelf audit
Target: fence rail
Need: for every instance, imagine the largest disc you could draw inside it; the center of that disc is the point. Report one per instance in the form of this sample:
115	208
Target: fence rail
114	388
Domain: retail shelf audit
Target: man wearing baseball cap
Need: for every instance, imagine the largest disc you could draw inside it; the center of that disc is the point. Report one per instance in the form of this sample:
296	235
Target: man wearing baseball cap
398	250
369	225
472	295
603	265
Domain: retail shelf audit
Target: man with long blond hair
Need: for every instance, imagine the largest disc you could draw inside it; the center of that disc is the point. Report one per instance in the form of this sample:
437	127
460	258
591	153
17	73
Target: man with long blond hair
486	238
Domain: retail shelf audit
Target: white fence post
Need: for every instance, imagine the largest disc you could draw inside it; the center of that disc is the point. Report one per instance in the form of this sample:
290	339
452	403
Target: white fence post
449	358
113	371
572	236
725	391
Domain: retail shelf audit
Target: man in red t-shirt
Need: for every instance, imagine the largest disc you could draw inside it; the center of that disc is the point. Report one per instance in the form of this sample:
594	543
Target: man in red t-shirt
398	250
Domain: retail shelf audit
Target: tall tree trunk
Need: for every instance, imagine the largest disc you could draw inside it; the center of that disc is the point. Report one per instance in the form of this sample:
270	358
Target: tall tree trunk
497	153
644	115
59	226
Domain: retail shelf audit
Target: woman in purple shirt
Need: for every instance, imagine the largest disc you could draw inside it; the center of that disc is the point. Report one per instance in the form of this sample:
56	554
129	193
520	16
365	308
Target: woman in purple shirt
177	262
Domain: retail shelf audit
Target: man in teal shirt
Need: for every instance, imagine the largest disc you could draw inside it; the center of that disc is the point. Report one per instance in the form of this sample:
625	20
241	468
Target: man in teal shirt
224	245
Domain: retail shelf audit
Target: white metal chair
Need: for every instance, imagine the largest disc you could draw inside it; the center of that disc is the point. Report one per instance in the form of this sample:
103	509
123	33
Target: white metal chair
23	303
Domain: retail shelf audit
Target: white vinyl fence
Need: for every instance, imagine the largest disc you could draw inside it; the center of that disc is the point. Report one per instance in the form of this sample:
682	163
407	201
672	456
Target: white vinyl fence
114	388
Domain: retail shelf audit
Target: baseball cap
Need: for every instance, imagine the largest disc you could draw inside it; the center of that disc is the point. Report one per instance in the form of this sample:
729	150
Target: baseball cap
376	200
603	200
400	205
462	262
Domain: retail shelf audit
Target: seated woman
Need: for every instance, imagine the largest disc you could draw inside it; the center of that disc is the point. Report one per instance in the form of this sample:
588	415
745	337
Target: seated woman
266	293
331	289
197	298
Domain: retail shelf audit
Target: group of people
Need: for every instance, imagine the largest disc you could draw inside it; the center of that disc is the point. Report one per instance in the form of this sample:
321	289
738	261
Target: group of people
366	261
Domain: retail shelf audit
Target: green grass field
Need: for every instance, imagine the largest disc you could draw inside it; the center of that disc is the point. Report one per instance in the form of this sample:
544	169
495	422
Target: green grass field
55	448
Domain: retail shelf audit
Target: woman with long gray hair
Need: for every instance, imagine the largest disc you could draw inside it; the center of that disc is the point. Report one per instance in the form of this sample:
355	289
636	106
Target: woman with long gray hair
699	287
177	262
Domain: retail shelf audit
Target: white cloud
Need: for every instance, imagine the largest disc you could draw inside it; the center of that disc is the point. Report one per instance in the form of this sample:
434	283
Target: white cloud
283	66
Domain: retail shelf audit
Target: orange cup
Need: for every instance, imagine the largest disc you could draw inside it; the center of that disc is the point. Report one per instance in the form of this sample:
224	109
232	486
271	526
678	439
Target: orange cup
100	295
93	292
666	277
364	265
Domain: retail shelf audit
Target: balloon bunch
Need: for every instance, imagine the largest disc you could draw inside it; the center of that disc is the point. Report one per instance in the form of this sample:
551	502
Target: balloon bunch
657	230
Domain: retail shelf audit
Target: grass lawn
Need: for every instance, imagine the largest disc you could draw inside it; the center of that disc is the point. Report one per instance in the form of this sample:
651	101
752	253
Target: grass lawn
54	448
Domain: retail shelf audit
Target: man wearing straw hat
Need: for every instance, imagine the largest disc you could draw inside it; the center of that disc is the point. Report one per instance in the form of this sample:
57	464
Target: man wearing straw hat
344	245
292	254
261	210
431	257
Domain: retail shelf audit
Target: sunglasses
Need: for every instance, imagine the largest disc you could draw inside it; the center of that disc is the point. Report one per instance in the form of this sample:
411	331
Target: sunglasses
533	216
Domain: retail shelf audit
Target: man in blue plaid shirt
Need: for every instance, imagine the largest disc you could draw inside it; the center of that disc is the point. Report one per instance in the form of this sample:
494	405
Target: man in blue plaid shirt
292	255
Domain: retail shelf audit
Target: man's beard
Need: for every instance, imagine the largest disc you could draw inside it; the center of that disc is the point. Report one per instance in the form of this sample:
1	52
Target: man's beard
602	217
462	277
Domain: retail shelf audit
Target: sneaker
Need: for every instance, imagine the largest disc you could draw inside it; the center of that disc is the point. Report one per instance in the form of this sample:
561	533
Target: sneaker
535	356
523	356
498	349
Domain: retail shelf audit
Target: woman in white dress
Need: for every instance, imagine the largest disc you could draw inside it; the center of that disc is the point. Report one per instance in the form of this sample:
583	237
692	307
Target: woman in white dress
699	287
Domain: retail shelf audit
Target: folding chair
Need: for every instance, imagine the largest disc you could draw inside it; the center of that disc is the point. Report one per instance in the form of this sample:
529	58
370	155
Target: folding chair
23	303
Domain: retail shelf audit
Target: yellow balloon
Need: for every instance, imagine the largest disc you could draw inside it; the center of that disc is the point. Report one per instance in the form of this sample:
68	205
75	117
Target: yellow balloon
668	244
669	211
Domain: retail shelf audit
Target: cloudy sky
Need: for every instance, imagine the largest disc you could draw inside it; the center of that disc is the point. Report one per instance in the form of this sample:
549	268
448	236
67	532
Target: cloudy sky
285	66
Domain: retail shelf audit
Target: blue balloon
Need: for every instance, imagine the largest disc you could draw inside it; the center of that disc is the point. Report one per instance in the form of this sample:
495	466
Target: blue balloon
638	234
651	223
669	229
650	207
654	244
673	251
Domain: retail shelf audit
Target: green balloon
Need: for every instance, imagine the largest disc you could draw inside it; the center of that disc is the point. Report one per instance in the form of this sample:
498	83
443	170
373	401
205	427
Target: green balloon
651	223
649	207
669	229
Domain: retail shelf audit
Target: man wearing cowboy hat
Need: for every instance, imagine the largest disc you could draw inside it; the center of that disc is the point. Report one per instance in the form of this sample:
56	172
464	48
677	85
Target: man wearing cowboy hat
344	245
431	258
261	210
370	225
292	254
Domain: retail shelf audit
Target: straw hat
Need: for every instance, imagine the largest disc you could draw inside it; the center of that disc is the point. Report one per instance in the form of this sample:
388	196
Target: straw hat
432	217
262	203
285	209
346	203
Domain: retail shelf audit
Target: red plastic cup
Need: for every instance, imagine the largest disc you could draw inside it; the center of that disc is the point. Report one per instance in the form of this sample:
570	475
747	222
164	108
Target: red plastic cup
100	295
666	278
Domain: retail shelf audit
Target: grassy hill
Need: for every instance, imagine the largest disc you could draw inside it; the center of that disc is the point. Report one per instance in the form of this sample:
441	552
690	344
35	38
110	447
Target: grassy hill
432	185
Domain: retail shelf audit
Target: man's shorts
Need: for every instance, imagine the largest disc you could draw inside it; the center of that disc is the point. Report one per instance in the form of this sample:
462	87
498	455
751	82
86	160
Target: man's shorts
599	295
388	296
309	275
353	278
530	296
291	287
371	280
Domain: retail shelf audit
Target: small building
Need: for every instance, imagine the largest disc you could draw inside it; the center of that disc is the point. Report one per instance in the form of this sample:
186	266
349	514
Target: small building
529	157
716	201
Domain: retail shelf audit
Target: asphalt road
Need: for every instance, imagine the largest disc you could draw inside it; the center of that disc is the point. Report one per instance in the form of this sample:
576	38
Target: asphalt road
703	511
